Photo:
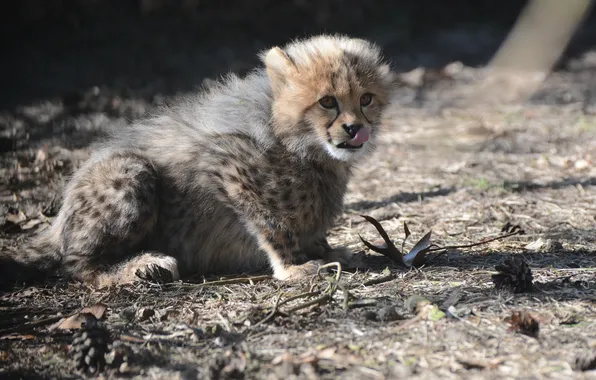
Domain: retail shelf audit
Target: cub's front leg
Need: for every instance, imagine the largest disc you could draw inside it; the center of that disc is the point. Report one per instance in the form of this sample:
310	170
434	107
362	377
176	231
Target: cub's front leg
274	230
282	247
264	191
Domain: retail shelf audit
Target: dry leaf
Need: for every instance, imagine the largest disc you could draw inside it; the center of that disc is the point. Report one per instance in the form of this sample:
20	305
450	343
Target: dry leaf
285	357
308	357
71	323
327	353
389	250
98	310
417	255
76	321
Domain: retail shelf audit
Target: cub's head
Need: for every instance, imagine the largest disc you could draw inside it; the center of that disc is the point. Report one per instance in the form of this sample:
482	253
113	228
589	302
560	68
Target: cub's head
328	95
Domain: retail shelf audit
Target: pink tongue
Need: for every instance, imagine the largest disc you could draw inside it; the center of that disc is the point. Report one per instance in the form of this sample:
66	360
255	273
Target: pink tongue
361	137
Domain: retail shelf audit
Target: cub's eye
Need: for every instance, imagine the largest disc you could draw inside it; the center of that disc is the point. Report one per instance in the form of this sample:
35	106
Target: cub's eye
328	102
366	99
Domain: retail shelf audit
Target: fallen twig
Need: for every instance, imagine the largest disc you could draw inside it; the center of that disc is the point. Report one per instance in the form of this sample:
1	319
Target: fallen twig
436	248
324	296
31	326
379	280
229	281
298	296
273	312
327	294
317	301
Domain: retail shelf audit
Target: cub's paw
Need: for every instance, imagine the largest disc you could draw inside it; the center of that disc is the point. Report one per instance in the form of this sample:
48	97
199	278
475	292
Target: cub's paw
154	267
155	273
298	272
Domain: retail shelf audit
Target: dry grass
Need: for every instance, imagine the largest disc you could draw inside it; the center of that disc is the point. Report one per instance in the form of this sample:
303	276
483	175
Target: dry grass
462	172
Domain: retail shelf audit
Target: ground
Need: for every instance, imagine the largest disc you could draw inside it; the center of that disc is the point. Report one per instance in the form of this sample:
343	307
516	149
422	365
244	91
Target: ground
457	168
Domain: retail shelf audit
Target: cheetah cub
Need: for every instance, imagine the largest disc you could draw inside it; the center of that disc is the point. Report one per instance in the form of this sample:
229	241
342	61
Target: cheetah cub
249	172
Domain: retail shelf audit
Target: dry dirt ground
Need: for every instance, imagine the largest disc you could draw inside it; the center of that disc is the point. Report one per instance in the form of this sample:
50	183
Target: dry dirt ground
461	171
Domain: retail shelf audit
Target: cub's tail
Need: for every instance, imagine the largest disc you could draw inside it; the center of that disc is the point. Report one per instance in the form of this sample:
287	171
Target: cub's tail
31	264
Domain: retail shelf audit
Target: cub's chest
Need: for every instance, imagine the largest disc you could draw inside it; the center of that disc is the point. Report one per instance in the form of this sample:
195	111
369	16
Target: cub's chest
278	184
309	194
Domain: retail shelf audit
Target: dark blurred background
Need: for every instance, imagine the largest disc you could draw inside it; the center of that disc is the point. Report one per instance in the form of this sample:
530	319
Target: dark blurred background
153	48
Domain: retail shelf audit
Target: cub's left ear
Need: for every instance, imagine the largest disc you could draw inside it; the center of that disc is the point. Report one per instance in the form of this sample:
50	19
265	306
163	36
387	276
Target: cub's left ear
279	67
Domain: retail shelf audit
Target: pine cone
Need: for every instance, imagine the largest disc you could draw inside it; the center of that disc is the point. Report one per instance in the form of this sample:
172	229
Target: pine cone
89	346
514	274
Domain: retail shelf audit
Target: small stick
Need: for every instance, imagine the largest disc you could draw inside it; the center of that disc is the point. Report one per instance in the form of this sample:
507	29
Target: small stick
331	285
272	313
327	294
229	281
30	326
378	280
317	301
332	264
470	245
409	322
298	296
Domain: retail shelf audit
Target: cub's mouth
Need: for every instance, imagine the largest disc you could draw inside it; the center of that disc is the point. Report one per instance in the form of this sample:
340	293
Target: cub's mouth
357	141
345	145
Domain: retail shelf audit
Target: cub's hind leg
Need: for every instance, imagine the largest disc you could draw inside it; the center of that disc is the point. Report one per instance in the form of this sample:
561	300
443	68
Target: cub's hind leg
110	210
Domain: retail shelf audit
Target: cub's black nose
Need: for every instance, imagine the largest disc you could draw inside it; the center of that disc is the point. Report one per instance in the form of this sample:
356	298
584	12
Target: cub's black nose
352	129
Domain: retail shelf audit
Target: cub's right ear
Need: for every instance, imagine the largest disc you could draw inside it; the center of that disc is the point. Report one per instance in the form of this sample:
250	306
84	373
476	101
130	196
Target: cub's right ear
279	67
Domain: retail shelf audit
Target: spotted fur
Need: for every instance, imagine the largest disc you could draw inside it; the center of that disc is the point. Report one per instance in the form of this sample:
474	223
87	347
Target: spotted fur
248	173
